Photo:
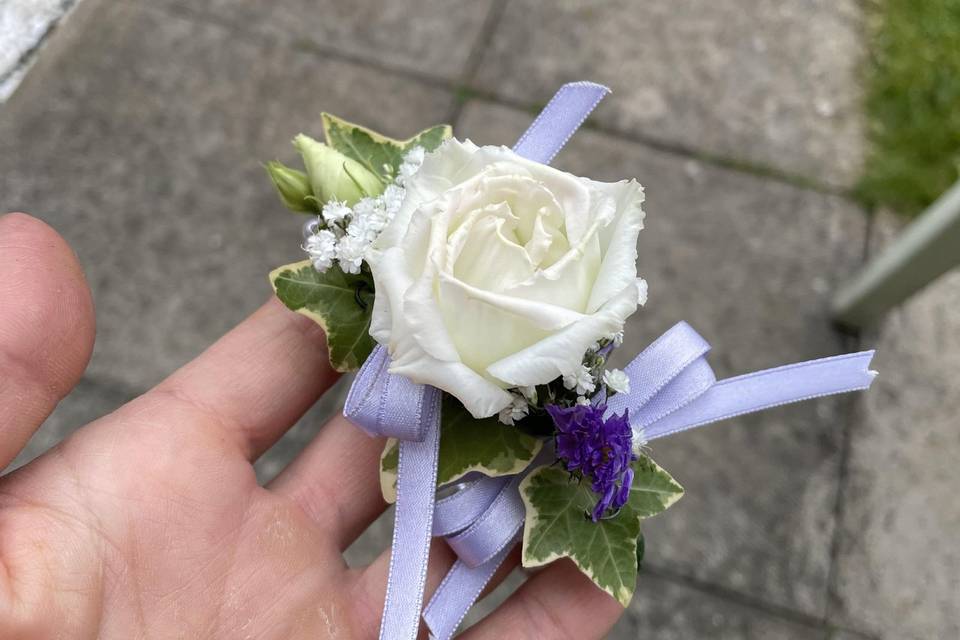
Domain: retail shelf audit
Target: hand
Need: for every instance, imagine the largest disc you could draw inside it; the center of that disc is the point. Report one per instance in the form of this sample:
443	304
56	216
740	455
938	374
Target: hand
149	523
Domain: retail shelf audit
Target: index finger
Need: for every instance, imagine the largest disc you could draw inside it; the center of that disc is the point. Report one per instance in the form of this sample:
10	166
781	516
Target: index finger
557	602
257	380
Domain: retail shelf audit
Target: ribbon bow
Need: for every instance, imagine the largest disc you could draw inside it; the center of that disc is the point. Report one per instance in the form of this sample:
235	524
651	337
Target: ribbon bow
672	388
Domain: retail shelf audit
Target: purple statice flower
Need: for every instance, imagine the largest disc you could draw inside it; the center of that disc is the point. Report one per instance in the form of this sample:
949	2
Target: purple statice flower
598	448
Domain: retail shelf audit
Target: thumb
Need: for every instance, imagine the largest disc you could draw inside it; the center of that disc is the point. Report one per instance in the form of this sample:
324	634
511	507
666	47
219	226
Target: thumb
46	327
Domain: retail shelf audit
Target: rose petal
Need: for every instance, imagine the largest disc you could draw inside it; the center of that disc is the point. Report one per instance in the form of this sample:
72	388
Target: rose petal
481	397
562	352
619	242
487	259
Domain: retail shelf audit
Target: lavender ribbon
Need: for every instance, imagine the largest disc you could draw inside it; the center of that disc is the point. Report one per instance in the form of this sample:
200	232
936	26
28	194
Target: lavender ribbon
383	404
672	389
559	120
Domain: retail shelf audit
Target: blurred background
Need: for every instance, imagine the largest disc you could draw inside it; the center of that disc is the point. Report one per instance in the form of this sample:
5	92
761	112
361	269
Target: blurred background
782	144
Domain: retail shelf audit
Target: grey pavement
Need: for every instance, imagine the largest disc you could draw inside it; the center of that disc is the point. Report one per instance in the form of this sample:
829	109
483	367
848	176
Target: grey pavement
771	83
139	132
899	558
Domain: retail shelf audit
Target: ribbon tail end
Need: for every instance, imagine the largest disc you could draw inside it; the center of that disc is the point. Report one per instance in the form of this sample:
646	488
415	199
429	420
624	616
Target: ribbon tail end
870	374
593	85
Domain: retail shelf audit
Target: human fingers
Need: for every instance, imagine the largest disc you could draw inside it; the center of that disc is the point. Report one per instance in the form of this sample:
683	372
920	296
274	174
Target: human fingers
257	380
46	327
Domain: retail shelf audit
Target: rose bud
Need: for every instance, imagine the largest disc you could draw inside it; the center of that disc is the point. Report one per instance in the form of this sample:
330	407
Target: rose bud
335	176
293	187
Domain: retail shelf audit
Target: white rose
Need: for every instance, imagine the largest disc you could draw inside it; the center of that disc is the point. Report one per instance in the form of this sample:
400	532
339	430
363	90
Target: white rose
498	272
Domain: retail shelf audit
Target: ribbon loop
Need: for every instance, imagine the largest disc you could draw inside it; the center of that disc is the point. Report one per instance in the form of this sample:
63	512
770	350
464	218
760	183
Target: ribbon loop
458	511
383	404
488	534
663	360
669	373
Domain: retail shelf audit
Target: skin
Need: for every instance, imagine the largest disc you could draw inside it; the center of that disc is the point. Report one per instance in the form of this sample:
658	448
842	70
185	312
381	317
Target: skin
149	522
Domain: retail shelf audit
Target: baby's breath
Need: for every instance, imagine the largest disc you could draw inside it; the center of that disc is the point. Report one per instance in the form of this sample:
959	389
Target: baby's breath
580	380
516	410
344	233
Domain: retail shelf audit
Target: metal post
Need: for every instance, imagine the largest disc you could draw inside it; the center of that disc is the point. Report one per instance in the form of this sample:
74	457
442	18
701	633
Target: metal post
929	247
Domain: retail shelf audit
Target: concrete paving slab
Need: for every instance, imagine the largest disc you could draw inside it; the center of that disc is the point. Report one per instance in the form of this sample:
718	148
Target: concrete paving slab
139	136
429	37
750	264
845	634
768	82
668	610
898	571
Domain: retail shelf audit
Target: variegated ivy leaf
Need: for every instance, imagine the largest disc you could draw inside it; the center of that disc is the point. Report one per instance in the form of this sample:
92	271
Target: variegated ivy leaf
339	302
558	524
376	152
466	444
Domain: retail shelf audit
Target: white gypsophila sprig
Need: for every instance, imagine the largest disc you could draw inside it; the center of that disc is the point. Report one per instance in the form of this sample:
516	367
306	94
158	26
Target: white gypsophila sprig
392	199
616	380
377	215
411	164
368	220
581	380
350	253
641	291
336	211
322	249
583	400
516	410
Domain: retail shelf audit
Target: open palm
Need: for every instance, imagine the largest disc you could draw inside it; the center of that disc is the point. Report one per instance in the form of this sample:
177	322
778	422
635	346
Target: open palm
149	523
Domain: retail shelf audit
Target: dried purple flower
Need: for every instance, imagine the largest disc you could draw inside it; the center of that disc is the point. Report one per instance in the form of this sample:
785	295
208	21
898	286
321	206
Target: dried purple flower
597	448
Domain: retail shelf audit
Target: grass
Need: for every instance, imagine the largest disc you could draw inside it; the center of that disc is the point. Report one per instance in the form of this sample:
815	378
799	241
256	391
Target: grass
912	102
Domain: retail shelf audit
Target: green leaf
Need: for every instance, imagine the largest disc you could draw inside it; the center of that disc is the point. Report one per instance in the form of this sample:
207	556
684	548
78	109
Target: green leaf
466	444
653	490
376	152
331	300
558	526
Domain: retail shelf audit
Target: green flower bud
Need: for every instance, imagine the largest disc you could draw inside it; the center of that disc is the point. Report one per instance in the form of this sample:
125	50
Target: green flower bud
334	175
293	187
